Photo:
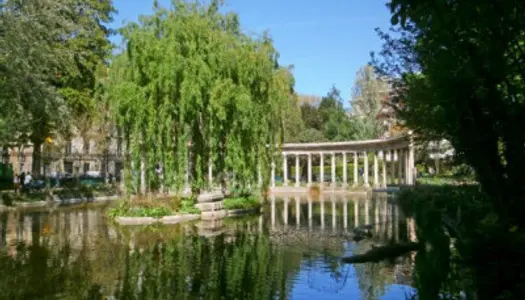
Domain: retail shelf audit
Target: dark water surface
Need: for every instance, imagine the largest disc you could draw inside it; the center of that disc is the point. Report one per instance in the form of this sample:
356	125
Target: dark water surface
291	251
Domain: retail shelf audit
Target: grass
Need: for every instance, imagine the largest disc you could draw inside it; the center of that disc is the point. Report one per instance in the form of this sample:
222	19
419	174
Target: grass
445	180
242	202
153	207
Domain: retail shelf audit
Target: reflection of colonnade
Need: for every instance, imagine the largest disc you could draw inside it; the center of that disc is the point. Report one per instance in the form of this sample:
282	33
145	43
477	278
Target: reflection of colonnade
396	154
341	214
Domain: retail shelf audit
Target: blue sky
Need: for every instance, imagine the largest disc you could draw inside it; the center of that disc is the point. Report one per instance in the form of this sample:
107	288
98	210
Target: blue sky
326	43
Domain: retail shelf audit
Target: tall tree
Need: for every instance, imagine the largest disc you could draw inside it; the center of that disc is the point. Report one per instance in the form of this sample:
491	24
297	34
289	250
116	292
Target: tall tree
92	48
36	54
458	83
368	94
336	123
459	71
190	82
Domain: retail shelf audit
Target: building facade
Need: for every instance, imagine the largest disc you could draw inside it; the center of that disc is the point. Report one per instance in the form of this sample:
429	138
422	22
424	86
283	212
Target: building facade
73	157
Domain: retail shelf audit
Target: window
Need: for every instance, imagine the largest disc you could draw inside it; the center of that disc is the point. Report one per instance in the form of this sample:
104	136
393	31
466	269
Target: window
86	167
69	148
119	147
86	146
68	167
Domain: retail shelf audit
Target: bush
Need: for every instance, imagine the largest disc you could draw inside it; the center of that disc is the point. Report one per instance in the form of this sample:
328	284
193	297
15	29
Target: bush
125	209
188	207
156	208
246	202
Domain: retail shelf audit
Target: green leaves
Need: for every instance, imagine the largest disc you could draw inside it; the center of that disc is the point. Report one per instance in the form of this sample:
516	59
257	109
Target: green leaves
188	74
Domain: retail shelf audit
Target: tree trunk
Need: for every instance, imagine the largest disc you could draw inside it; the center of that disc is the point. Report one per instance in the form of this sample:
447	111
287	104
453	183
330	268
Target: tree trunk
143	173
36	164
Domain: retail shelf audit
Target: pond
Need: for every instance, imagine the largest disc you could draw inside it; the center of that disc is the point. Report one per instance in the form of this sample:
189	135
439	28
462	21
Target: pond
291	251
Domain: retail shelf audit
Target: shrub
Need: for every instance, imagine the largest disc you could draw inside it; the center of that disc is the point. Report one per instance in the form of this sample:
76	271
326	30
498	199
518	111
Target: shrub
246	202
188	207
124	208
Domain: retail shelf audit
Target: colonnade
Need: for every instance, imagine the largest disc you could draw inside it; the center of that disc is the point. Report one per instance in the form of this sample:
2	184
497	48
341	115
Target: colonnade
400	163
392	162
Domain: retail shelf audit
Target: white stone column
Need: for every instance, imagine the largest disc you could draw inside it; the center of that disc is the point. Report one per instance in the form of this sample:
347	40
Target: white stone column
365	175
333	169
273	174
321	168
393	166
297	175
376	174
309	169
407	167
310	208
400	167
411	164
285	170
356	178
383	169
345	179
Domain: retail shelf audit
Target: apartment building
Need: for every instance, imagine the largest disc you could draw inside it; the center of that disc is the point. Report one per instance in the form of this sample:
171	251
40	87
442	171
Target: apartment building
76	156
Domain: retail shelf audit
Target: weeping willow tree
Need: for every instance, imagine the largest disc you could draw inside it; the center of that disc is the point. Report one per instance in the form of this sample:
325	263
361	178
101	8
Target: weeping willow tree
192	89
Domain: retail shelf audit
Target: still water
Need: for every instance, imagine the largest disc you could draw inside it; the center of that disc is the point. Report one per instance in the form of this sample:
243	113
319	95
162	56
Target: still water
291	251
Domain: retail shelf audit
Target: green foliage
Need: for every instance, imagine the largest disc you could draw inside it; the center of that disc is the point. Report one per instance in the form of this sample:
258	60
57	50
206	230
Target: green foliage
156	207
188	75
50	51
188	207
330	121
246	202
311	117
125	209
311	135
458	75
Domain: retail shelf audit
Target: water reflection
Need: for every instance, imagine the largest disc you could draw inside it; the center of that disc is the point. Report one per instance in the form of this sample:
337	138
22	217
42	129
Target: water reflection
291	251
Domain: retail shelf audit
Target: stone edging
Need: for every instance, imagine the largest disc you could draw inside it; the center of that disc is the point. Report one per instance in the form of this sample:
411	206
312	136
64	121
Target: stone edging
149	220
58	202
205	216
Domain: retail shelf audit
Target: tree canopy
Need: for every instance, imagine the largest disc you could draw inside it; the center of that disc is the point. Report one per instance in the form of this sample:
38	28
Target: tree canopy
190	86
368	96
49	51
458	69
